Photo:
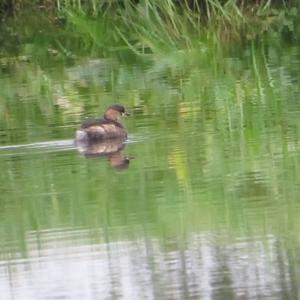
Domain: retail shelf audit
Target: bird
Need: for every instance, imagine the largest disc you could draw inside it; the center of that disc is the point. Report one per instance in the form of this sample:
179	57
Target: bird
106	128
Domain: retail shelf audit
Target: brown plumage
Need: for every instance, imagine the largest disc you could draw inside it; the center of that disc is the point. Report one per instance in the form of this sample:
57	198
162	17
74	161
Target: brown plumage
108	127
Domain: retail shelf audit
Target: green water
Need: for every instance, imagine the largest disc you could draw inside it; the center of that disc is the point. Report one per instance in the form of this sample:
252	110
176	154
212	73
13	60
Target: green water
208	207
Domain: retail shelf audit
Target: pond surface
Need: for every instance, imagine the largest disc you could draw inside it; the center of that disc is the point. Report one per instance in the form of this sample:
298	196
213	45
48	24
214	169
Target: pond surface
208	206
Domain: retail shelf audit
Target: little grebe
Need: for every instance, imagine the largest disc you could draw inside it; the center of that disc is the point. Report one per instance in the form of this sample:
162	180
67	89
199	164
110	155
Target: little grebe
108	127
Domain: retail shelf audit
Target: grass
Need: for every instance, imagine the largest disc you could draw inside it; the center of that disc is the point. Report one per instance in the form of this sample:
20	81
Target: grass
150	26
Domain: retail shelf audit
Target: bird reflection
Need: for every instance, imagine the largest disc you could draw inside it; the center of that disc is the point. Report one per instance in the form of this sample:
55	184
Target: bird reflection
112	149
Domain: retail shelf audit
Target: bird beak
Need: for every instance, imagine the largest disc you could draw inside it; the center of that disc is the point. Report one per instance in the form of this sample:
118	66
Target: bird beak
126	113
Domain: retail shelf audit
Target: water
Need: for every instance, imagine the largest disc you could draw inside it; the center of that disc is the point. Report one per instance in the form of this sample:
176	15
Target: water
207	206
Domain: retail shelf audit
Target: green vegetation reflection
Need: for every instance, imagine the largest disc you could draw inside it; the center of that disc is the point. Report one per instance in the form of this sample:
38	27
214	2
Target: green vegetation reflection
216	145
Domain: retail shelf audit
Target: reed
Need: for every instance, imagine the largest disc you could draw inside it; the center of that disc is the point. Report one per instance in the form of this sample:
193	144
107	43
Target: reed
152	25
